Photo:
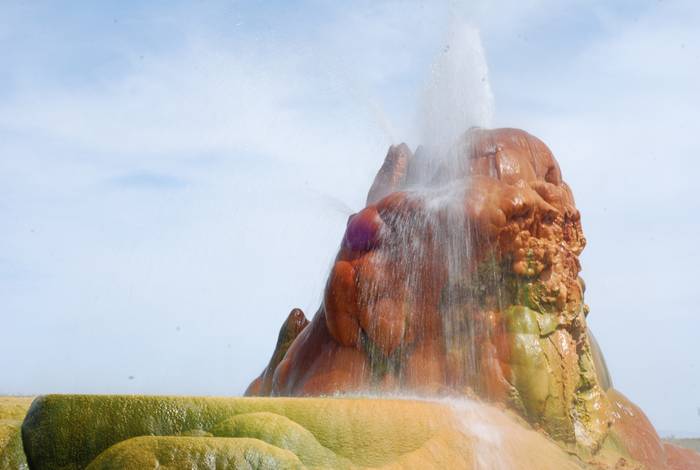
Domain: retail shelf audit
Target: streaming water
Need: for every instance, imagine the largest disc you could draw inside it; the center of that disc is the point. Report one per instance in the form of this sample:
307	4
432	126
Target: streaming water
489	430
496	438
425	258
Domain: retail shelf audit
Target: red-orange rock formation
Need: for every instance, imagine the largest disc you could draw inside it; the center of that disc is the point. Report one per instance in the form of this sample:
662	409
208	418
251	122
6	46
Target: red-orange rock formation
460	276
293	325
633	433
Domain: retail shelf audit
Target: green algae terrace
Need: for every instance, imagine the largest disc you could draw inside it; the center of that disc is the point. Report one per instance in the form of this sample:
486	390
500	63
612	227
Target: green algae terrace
71	432
56	419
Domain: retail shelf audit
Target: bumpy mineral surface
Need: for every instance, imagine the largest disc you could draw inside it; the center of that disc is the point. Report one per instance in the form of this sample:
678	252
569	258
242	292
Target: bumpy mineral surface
71	432
139	432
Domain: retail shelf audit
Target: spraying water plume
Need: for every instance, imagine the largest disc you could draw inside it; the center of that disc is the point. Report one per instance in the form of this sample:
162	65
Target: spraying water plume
458	93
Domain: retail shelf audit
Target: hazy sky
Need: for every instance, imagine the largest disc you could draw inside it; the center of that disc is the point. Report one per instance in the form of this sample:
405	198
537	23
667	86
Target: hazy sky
176	176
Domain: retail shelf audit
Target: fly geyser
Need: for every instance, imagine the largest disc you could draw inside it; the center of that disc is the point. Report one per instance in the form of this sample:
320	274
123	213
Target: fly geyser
453	326
461	278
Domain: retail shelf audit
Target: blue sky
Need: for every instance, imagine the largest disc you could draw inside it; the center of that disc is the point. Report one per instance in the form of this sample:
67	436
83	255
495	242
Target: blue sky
175	177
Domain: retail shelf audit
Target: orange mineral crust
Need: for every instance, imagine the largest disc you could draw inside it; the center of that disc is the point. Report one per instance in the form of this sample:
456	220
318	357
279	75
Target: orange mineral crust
460	277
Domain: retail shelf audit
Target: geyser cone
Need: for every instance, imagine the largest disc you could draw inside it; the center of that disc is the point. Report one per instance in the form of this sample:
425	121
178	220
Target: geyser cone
460	277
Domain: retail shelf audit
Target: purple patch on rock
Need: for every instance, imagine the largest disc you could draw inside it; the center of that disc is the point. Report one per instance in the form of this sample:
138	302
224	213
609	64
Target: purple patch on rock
362	232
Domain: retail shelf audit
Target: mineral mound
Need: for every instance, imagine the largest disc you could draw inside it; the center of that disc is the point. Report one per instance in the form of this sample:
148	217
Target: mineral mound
460	277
